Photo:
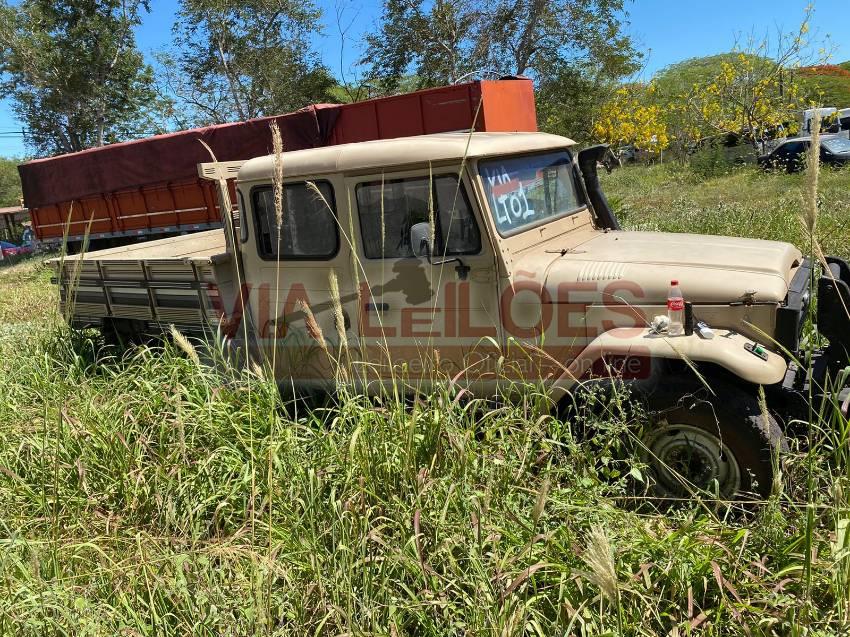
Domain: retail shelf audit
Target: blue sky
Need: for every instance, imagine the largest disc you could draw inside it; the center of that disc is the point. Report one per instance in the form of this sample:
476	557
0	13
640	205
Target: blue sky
667	31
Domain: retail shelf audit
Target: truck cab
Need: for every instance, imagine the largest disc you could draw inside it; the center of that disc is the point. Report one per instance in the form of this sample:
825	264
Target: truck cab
489	261
456	242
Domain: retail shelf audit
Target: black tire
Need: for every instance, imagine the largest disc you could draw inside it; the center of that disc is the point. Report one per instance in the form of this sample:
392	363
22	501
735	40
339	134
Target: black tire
720	441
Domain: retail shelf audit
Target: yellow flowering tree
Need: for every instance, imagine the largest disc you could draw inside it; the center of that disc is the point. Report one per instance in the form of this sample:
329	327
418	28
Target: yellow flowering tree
750	96
632	116
753	94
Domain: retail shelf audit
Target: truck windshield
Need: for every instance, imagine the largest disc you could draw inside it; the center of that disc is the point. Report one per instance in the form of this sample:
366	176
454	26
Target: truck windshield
528	190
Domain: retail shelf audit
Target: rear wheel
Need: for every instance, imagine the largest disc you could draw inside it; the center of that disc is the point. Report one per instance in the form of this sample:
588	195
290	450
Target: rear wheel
720	443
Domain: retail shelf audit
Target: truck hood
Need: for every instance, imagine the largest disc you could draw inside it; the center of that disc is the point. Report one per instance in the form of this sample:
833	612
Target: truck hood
710	269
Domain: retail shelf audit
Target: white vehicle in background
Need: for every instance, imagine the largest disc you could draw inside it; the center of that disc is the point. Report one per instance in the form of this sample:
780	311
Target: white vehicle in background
834	123
844	122
827	115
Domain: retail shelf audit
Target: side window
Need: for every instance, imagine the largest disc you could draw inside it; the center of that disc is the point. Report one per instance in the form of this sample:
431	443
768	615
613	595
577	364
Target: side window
458	230
791	149
308	228
389	210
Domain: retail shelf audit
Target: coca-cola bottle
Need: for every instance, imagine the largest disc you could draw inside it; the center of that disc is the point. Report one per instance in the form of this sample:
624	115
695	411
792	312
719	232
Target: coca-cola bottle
675	310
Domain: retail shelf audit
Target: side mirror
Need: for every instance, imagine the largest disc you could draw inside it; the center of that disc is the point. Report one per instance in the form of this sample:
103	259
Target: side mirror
420	243
420	239
587	161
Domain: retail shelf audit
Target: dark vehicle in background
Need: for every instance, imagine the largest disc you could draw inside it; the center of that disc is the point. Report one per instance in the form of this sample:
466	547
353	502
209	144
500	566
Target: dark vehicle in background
790	155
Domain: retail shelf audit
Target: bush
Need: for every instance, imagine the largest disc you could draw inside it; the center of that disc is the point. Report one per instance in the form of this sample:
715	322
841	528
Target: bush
711	161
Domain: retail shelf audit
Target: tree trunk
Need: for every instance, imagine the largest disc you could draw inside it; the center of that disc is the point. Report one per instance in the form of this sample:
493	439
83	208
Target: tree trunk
526	46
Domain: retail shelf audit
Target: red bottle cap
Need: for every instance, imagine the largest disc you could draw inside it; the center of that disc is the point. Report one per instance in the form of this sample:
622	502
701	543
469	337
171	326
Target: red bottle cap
674	282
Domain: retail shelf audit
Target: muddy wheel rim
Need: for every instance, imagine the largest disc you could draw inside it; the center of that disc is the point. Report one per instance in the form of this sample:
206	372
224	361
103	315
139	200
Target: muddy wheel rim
683	457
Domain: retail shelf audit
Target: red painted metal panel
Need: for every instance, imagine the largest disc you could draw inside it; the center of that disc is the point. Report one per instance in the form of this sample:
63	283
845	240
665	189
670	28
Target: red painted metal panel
508	106
93	216
132	210
356	123
448	109
160	207
400	117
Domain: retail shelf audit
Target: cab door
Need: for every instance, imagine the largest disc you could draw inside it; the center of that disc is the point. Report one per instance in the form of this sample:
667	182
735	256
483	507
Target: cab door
297	264
428	307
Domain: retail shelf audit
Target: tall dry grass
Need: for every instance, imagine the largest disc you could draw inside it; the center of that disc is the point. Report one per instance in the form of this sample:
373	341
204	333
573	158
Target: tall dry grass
151	492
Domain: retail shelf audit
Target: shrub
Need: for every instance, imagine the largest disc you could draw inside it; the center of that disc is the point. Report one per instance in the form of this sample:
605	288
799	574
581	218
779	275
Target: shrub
711	161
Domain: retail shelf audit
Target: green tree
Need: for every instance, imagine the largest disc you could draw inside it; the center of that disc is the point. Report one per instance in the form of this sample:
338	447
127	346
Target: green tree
10	182
753	93
519	37
240	60
391	51
574	50
419	47
74	73
570	96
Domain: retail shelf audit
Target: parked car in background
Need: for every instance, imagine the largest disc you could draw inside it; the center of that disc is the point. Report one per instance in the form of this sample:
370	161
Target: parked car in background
836	152
790	155
10	250
627	154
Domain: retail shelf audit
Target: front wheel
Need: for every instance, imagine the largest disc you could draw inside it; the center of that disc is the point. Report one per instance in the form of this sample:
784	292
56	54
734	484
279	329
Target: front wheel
698	441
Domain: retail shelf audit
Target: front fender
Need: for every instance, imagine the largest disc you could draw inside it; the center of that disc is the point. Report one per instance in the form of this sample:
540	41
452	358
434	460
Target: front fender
726	350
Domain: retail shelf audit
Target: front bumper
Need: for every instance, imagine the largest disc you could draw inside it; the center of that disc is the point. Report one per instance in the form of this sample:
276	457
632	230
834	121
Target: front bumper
822	377
833	317
833	311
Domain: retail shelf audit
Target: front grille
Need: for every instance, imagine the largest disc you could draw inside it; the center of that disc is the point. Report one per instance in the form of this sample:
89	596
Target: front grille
792	314
834	309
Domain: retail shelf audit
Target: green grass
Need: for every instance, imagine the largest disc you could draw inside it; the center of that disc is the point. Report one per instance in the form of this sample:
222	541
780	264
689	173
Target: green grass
826	89
746	202
149	494
26	296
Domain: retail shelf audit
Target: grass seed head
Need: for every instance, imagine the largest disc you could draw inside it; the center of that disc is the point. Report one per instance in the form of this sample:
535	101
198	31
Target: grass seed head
277	175
599	558
339	319
313	327
184	344
540	503
810	195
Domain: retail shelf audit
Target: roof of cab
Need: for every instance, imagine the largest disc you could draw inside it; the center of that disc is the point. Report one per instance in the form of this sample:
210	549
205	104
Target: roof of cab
386	153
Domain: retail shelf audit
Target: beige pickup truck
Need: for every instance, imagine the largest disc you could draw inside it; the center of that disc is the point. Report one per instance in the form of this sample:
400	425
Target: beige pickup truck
486	260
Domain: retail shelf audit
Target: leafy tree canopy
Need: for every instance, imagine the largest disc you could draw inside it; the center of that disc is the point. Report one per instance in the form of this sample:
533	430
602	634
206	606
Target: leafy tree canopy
633	116
741	91
575	50
74	73
241	60
10	182
680	78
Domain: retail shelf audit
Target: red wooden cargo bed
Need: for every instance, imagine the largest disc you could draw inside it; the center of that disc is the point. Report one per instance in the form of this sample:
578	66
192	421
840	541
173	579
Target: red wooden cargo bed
150	187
